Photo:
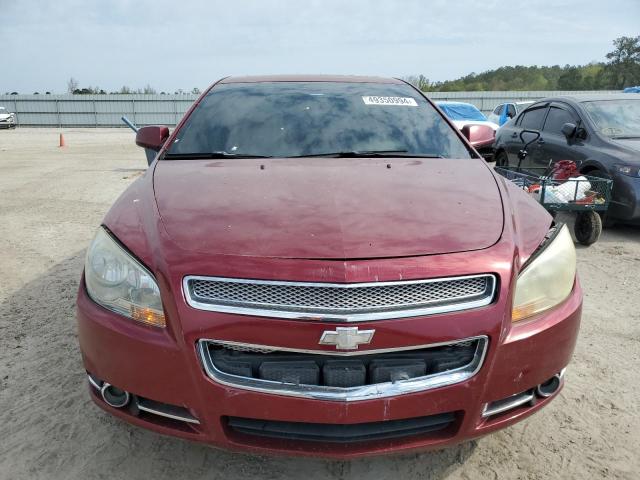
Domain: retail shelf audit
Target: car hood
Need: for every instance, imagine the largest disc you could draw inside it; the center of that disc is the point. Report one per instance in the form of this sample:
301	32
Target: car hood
329	208
631	143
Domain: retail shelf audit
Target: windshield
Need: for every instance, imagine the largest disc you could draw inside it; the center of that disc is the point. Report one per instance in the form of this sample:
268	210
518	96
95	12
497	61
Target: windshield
462	111
290	119
615	118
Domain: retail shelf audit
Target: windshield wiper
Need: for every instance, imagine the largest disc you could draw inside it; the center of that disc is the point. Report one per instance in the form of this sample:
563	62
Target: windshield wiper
369	153
209	155
625	137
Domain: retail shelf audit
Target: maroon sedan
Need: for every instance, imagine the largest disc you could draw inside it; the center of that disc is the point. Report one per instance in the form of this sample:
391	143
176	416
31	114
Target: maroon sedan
324	266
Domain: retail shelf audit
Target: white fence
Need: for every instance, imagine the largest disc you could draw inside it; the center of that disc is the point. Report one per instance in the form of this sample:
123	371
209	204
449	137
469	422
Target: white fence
106	110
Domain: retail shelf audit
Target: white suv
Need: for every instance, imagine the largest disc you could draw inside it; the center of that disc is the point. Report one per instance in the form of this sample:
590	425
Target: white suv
506	111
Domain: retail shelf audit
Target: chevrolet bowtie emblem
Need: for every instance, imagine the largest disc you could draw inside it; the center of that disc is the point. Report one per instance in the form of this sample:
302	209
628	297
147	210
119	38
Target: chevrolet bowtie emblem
346	338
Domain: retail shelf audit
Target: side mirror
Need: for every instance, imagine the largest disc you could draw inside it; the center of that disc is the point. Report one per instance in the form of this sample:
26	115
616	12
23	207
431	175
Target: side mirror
568	130
152	137
479	134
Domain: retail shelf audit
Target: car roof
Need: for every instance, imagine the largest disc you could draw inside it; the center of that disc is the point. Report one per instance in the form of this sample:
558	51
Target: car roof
451	102
592	97
311	78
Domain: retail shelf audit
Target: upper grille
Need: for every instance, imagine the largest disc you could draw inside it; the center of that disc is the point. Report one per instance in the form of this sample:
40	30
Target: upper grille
340	302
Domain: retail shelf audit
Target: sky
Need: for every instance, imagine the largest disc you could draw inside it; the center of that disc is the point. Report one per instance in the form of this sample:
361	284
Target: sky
191	43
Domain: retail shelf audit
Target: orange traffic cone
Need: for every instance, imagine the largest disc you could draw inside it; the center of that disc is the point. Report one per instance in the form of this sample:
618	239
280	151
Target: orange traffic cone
62	144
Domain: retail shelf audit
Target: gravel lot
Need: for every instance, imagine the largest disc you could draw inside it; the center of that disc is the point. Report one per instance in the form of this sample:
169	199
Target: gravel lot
51	201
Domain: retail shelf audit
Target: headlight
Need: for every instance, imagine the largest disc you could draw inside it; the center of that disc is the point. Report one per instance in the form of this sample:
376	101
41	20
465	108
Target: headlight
548	278
628	170
117	281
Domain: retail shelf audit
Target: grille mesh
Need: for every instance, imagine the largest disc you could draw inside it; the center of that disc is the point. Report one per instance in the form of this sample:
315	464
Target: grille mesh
338	299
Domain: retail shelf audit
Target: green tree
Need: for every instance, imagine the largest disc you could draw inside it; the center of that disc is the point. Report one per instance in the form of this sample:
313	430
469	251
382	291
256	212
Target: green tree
624	62
571	79
419	81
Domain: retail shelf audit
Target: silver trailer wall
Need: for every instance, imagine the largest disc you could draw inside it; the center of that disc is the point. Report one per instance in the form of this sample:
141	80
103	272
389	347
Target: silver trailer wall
96	110
487	101
106	110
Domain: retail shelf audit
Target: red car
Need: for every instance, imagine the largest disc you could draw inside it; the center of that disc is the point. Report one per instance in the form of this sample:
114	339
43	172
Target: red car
324	266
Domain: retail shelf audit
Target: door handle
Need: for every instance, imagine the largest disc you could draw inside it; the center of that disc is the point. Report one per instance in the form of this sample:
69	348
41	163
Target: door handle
541	141
514	135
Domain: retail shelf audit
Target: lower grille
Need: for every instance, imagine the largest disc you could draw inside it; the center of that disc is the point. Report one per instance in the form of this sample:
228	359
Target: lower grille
342	433
342	376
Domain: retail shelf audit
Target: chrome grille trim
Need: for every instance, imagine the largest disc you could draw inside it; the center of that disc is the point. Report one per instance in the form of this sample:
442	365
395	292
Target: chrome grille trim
350	394
339	302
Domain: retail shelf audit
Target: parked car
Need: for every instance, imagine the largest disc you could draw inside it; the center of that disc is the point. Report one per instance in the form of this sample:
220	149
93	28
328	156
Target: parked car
632	90
465	115
462	114
324	266
599	132
7	120
506	111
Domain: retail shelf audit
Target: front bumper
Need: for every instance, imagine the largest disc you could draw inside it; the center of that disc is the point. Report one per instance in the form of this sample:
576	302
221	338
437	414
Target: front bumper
625	205
8	122
164	366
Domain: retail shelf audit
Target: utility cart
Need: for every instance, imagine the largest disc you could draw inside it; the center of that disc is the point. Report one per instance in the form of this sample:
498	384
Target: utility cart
586	195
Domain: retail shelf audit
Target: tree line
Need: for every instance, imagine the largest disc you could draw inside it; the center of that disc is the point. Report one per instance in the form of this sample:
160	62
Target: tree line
73	87
620	70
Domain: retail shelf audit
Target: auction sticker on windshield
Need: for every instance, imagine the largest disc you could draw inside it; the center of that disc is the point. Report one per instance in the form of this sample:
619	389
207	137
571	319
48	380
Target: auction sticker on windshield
401	101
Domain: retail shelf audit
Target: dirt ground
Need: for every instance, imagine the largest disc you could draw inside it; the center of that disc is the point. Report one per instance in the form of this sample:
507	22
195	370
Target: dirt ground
51	201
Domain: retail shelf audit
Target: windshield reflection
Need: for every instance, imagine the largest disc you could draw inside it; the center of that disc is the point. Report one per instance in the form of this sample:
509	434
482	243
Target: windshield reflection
286	119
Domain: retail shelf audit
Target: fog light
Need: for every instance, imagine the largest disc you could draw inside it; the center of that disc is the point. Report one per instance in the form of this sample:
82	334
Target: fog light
114	396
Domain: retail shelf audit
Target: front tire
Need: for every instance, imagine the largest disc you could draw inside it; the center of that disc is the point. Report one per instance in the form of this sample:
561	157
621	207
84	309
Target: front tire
588	227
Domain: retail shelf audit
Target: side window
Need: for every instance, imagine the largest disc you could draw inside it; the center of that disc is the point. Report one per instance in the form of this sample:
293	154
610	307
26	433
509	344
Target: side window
511	110
532	119
556	119
497	110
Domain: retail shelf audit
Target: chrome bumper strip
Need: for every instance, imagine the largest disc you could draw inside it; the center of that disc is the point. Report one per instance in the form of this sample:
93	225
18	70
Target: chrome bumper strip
140	403
506	404
173	416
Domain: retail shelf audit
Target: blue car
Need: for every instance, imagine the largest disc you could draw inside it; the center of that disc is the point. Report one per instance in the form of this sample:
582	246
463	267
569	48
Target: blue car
506	111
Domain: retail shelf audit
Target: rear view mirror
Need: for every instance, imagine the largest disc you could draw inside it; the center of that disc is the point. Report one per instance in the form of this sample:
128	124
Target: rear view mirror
568	130
152	137
479	134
